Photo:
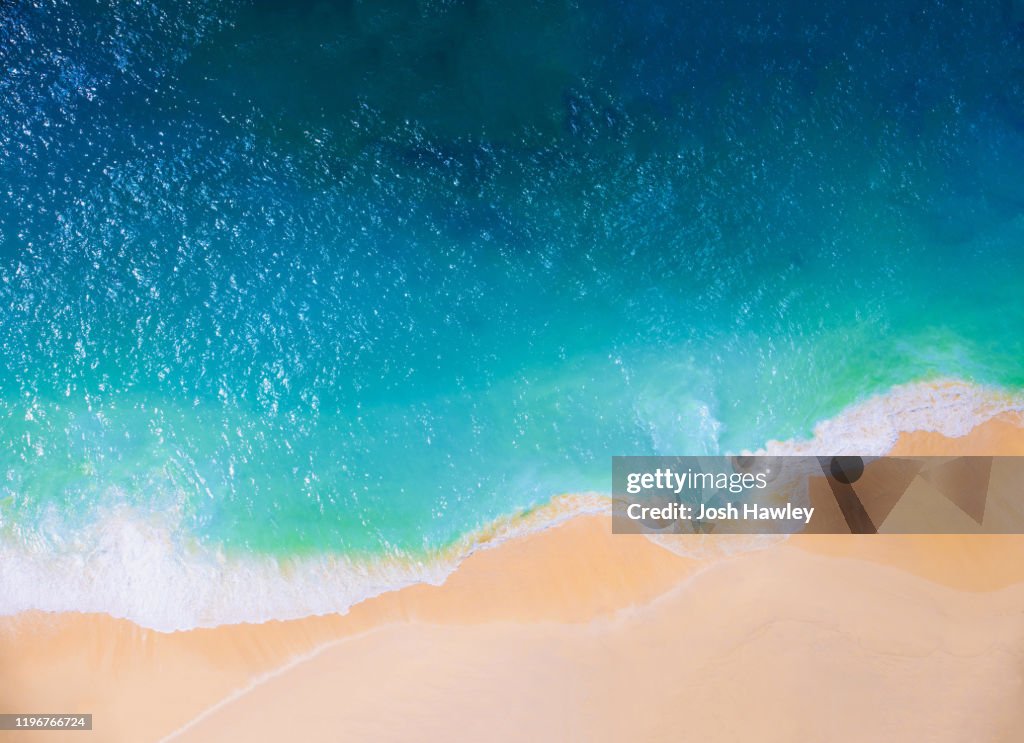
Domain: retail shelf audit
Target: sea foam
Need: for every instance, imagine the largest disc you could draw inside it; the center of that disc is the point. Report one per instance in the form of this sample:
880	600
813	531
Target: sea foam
141	566
871	428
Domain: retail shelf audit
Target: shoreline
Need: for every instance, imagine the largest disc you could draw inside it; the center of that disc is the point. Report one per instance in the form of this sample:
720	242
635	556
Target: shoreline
571	609
135	550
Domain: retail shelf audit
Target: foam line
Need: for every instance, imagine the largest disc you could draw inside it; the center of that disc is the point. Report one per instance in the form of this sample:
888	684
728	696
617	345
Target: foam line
140	566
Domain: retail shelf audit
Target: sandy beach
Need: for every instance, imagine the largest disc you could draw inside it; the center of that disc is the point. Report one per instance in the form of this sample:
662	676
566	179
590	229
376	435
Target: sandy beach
577	634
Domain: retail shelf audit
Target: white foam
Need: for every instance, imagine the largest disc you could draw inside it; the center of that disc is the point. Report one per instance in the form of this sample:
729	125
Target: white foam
136	566
871	428
141	567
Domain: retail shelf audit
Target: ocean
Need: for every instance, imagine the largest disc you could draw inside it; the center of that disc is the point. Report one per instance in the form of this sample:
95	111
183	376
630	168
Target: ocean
295	301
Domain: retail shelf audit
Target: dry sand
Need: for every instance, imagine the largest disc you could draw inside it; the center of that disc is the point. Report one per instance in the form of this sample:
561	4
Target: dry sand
576	634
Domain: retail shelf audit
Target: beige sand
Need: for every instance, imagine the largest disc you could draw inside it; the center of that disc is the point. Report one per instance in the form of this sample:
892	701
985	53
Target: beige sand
575	634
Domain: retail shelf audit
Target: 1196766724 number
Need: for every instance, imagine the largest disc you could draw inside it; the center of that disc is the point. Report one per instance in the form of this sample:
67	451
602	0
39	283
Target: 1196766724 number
45	722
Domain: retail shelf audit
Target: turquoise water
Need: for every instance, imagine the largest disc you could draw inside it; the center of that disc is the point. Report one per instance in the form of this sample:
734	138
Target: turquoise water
361	277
